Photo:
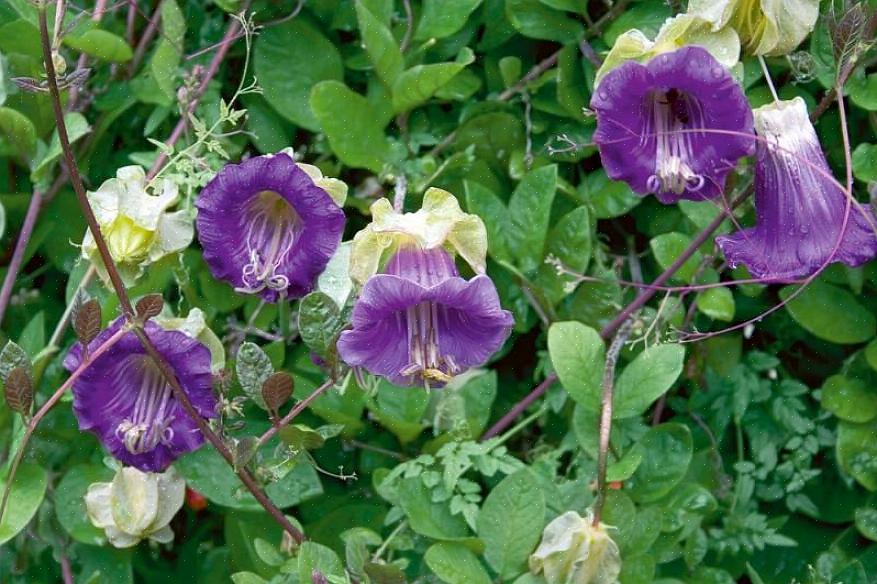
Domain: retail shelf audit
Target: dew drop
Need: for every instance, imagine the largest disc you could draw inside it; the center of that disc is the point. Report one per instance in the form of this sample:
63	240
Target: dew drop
718	72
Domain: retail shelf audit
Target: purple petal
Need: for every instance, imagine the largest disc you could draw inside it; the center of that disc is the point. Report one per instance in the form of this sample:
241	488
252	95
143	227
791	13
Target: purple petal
473	325
230	227
110	392
648	117
800	210
469	326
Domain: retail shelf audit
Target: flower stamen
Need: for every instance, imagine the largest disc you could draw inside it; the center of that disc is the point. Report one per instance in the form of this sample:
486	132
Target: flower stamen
423	346
150	421
271	233
672	114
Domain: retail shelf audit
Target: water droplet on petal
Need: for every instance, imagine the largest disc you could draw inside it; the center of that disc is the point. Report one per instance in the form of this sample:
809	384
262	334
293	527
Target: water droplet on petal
718	72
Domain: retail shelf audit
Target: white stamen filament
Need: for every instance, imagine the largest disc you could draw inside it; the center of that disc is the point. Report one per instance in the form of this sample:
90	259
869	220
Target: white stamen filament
673	118
423	345
149	423
270	235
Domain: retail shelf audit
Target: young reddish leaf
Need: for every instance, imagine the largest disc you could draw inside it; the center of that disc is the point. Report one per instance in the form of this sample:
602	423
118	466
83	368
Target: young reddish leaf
86	321
149	306
277	389
19	391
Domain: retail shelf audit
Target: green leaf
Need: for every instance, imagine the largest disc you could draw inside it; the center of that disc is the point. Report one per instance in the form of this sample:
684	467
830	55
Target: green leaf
247	578
308	58
427	517
483	202
77	127
667	452
319	322
717	303
102	45
857	452
646	379
530	211
535	20
27	493
416	85
350	123
571	85
578	355
510	523
865	162
849	399
313	556
669	246
19	132
401	409
830	313
494	135
454	563
442	18
609	198
253	367
570	243
241	530
866	522
271	132
165	61
104	564
70	501
381	46
208	473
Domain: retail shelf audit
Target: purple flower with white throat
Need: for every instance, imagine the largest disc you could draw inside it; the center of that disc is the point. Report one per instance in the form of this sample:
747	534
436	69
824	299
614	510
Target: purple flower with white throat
675	126
800	208
124	399
417	322
420	323
268	226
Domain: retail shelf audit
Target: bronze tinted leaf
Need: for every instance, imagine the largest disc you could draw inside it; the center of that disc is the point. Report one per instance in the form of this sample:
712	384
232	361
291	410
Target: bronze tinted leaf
86	321
277	389
19	391
149	306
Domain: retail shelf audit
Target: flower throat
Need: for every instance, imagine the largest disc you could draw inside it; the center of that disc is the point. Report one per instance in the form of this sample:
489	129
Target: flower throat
271	230
671	118
150	421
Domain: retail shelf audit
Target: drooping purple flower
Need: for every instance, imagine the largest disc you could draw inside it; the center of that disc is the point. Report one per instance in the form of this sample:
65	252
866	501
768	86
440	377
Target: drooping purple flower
420	323
124	400
267	228
674	127
799	208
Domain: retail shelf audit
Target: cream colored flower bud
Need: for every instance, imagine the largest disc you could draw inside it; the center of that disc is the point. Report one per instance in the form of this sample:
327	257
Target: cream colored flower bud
766	27
136	223
136	505
574	551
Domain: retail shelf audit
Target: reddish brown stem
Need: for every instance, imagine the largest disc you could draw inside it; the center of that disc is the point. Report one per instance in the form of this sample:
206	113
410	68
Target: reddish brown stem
124	300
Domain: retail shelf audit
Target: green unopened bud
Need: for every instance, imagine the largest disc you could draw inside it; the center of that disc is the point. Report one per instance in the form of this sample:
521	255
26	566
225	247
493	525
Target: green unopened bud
440	222
136	505
574	551
766	27
135	223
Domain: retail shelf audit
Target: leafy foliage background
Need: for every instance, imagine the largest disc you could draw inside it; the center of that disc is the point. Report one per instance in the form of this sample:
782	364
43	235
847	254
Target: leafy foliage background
748	457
